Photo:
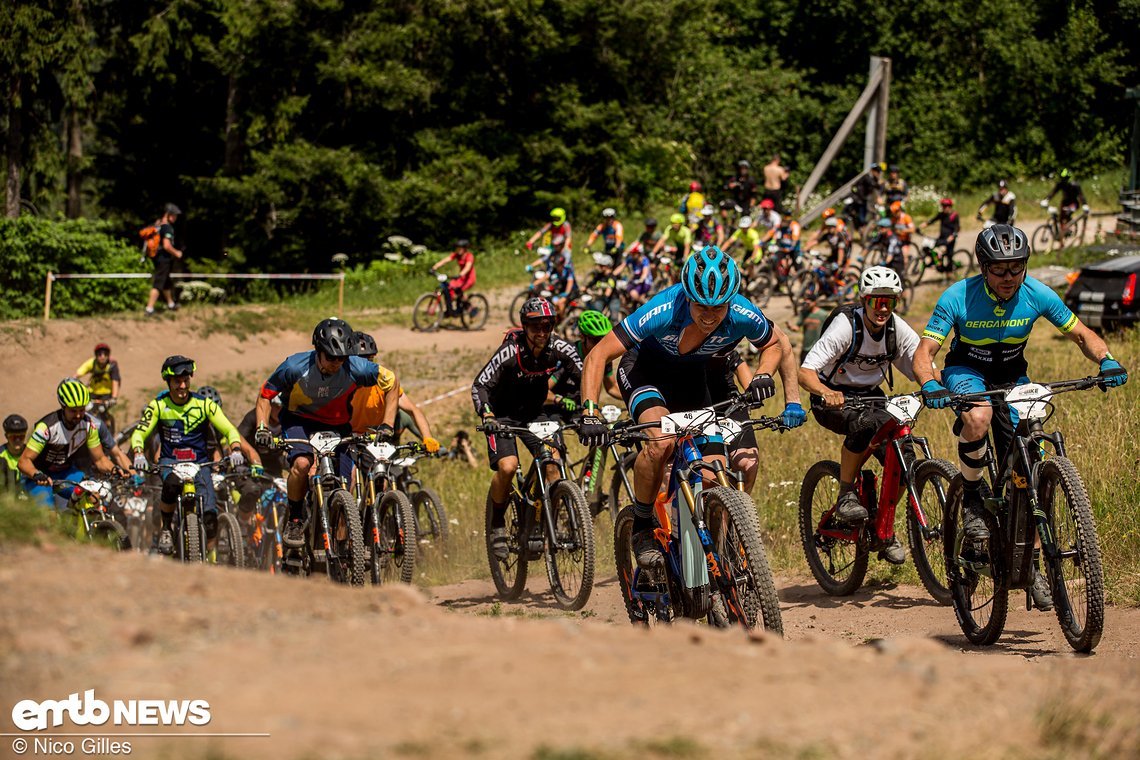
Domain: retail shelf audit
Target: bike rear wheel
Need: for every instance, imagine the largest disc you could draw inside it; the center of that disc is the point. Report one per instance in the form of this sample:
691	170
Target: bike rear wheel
978	589
347	539
431	517
759	288
109	533
427	312
962	264
570	552
932	478
1043	237
397	537
509	575
657	580
475	312
516	305
838	566
1075	574
230	549
731	519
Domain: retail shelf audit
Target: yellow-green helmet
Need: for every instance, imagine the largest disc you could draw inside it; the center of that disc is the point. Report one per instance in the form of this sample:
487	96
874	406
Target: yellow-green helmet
594	323
558	215
73	394
677	219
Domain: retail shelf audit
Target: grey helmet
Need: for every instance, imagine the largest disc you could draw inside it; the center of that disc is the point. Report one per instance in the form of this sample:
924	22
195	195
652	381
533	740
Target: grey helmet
1001	242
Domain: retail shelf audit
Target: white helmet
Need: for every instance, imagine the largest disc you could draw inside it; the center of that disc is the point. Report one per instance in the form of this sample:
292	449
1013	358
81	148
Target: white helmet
880	281
708	210
745	222
603	259
608	213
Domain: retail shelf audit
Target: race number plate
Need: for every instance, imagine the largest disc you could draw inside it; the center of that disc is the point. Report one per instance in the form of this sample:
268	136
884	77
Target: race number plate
186	471
544	429
1030	401
731	430
324	441
904	408
703	420
611	413
381	451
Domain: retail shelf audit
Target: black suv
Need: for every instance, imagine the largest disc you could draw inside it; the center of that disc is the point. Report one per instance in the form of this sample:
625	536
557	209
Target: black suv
1104	295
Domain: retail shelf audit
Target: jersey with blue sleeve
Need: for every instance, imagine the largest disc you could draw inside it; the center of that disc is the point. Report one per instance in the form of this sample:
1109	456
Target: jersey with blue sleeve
309	394
657	326
989	335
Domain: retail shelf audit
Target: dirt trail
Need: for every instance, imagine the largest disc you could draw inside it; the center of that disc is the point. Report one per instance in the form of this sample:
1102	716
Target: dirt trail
334	672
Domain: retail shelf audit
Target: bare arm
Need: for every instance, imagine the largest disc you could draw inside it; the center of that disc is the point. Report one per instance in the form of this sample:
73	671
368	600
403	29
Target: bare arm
262	411
169	248
1092	345
392	404
594	368
788	368
417	414
924	360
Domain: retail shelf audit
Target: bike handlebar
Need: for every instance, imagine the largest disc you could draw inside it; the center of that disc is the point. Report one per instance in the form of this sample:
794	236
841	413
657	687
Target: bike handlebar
966	400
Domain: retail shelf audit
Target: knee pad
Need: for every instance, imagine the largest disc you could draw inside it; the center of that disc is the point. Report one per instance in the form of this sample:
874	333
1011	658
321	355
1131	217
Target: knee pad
974	453
171	487
210	523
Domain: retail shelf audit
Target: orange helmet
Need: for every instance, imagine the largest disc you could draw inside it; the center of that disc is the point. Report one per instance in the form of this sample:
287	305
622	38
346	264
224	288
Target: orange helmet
828	213
896	207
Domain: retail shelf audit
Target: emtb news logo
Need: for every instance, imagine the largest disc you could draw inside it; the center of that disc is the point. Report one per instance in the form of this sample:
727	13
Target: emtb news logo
30	715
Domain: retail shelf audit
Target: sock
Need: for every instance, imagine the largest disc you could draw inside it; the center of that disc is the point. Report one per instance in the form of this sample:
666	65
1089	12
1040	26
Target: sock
498	515
972	457
167	517
643	517
296	510
845	487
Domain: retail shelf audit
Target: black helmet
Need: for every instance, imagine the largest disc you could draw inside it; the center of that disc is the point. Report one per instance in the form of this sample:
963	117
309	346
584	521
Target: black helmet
535	309
335	338
651	221
893	168
14	423
177	365
211	393
171	210
462	243
1002	242
365	345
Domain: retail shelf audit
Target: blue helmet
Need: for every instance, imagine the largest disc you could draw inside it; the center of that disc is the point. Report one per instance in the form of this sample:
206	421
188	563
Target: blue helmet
710	277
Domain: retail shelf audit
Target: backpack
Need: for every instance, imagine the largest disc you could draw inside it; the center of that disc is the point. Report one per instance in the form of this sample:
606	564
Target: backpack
151	240
857	327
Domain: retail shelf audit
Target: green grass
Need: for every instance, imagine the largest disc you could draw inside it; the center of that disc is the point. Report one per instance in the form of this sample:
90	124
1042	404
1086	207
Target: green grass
22	521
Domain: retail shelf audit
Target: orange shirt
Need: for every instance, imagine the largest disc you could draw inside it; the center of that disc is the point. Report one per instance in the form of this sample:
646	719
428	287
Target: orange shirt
368	407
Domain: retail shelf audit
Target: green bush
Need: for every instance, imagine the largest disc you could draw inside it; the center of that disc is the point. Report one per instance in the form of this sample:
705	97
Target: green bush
30	247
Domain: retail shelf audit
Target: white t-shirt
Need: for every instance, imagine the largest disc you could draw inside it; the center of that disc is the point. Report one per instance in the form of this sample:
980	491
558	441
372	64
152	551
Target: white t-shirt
861	371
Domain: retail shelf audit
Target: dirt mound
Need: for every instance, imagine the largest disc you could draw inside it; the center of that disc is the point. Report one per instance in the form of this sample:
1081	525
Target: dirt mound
335	672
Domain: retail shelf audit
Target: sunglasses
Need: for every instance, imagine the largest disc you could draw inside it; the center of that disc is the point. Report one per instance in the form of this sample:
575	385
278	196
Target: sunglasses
875	303
1008	271
539	325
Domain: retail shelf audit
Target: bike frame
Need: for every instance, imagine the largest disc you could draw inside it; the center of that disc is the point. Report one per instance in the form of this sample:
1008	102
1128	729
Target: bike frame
532	491
317	501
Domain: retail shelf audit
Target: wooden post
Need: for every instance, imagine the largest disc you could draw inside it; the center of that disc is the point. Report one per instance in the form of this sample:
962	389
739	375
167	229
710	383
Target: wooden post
869	156
47	297
881	109
340	297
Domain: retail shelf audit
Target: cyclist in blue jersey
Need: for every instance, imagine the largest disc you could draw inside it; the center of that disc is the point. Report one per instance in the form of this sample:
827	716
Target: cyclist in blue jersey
316	388
665	346
611	232
991	315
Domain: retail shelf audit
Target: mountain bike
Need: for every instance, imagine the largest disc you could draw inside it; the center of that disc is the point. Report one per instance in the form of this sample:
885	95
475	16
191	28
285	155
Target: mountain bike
1033	494
548	520
138	500
334	538
427	506
1054	235
87	509
430	308
822	280
715	564
589	472
946	264
837	555
389	518
189	509
263	547
540	281
230	546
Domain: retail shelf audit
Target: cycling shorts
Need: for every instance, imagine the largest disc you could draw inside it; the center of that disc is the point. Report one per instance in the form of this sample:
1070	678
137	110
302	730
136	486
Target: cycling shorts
968	380
501	446
649	381
46	496
297	427
857	426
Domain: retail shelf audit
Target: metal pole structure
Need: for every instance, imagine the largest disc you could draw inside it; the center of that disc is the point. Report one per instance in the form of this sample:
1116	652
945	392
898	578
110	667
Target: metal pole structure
340	297
882	110
869	156
47	298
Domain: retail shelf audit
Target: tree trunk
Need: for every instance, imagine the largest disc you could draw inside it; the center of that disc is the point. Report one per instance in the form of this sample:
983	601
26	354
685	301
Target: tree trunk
74	163
231	163
12	150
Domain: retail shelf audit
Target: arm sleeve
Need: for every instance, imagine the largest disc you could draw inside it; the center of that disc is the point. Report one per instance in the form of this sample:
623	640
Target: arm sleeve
146	425
281	380
831	346
1053	308
906	341
945	316
570	359
221	423
38	439
115	377
490	376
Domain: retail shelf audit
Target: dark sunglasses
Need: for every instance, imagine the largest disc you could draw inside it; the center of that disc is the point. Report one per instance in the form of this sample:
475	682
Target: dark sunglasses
1011	270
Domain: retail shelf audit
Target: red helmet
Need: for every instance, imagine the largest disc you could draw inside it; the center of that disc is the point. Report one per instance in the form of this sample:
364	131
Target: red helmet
767	203
694	186
947	201
102	347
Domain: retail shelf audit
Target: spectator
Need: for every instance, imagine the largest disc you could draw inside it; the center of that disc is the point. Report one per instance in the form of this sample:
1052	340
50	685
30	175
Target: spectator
775	175
742	187
15	437
461	449
164	260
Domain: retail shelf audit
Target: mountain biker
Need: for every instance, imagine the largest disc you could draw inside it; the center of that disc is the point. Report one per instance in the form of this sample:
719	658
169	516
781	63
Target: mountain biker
182	419
511	390
56	438
868	192
902	225
272	460
767	217
563	285
677	237
602	289
834	233
1071	195
316	387
742	186
462	282
639	280
728	213
611	232
709	231
786	236
648	239
565	390
248	488
560	234
992	315
1004	202
368	403
693	201
748	239
949	225
895	188
15	438
835	369
722	374
104	371
665	346
83	461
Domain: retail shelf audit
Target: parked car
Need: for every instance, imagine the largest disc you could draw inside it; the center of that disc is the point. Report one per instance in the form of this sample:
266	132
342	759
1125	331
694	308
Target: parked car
1104	294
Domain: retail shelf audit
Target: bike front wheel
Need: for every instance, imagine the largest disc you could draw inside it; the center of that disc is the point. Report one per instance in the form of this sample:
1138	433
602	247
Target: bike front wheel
650	598
509	574
475	312
932	478
1075	573
978	586
193	538
759	288
569	552
1043	238
731	519
230	548
431	517
837	565
347	540
109	533
516	305
397	523
427	312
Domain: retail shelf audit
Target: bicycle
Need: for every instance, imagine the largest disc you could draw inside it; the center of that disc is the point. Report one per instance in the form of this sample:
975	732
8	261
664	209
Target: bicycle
1054	235
334	537
100	408
388	516
837	555
1021	505
189	510
427	506
544	520
589	472
715	564
230	546
950	265
263	545
430	308
137	499
540	281
822	280
87	507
